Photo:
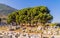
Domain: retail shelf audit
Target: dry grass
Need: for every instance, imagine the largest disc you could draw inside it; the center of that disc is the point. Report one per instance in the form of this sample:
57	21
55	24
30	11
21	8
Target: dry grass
27	30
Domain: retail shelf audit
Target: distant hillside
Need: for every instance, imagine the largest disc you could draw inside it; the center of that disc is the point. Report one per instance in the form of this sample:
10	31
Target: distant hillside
5	9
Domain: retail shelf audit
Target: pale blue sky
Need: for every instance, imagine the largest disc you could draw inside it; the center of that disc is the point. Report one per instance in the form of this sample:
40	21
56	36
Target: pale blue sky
53	5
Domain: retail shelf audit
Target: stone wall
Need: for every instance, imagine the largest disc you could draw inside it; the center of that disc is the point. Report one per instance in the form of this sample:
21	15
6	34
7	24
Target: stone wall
12	34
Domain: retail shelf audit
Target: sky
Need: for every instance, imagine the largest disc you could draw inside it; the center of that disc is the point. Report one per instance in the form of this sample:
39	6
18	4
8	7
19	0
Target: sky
53	5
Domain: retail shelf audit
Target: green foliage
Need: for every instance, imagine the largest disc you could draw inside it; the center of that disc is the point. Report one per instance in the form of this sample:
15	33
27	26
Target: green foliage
53	24
40	14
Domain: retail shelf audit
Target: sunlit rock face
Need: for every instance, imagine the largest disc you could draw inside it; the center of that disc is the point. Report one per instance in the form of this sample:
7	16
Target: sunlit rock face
37	32
13	34
19	35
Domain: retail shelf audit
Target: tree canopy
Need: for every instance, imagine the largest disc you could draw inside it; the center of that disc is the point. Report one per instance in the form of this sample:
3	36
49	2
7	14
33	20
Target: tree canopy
33	15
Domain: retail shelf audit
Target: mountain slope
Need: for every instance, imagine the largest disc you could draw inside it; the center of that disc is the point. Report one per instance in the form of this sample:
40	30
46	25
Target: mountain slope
5	9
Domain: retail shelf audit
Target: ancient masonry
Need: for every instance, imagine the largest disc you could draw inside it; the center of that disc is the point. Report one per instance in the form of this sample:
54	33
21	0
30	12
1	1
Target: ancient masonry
46	33
12	34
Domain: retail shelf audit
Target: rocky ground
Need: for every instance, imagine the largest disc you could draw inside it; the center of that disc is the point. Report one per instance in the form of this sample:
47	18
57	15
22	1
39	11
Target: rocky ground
29	32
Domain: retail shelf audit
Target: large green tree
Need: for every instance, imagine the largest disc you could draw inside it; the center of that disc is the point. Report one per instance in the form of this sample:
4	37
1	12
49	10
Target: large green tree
33	15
